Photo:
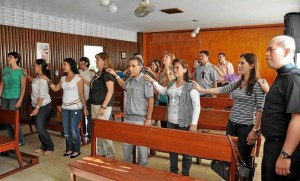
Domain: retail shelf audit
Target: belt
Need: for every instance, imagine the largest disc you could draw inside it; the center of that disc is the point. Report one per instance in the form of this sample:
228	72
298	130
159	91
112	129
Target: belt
275	138
240	125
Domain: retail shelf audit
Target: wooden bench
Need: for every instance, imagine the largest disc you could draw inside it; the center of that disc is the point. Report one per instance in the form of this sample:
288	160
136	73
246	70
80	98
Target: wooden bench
118	102
216	103
223	103
198	144
211	119
6	143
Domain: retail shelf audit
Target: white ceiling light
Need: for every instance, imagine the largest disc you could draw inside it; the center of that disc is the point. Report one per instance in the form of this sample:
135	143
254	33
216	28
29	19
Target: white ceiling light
104	3
193	34
196	31
112	7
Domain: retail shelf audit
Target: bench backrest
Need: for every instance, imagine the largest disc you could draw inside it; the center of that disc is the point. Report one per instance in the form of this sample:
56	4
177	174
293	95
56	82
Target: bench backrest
196	144
119	100
202	145
216	103
159	113
213	119
11	117
208	119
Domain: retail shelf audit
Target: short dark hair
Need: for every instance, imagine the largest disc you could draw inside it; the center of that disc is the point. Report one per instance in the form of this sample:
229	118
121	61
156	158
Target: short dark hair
86	60
73	65
136	53
205	52
16	55
139	61
223	54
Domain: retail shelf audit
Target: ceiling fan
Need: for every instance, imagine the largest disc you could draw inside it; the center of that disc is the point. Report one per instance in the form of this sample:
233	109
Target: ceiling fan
144	8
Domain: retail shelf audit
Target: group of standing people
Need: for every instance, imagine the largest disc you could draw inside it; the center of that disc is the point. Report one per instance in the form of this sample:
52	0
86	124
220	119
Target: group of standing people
275	115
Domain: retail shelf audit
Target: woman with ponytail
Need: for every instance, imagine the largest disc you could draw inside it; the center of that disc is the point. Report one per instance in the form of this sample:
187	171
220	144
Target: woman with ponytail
41	103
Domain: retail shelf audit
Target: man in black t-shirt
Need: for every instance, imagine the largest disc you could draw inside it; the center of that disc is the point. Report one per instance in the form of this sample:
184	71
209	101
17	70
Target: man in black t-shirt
281	115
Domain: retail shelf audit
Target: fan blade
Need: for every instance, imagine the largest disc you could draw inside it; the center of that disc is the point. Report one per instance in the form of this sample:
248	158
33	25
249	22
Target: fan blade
150	8
139	12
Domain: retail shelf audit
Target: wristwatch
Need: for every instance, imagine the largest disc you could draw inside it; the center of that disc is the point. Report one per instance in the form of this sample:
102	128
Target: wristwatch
285	154
256	131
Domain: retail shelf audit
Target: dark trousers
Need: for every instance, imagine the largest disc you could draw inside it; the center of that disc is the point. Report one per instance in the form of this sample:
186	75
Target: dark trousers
163	124
186	159
271	153
241	131
40	124
10	104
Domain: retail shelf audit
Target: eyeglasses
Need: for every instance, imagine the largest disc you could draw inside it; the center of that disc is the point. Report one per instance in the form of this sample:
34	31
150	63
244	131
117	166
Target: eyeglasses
203	73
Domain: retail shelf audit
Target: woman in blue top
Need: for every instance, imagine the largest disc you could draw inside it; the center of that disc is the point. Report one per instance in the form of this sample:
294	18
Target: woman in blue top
12	89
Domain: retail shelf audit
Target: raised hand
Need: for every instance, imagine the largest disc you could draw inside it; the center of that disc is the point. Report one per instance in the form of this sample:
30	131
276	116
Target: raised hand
111	71
148	78
197	86
25	72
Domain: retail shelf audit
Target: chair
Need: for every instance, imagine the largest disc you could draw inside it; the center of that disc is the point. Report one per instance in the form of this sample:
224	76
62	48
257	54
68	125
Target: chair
118	102
6	143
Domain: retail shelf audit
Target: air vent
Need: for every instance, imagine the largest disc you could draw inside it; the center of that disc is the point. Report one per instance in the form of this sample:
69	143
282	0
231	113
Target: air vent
171	11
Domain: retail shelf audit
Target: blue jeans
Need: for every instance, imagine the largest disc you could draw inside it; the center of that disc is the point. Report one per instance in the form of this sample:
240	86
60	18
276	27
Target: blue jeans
10	104
70	120
186	159
40	124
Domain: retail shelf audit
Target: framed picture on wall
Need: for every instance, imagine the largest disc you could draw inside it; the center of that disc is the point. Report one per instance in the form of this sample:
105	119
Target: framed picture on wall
43	51
123	55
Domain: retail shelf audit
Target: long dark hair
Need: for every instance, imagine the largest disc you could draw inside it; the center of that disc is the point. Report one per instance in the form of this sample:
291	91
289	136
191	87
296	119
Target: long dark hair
251	58
44	65
157	63
73	65
183	63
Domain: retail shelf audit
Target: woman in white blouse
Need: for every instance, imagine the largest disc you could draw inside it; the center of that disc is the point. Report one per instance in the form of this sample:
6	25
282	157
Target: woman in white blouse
183	108
73	103
40	101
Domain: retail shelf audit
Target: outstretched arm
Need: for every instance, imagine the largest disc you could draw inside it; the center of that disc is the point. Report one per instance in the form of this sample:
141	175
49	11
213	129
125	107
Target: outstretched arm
119	80
207	91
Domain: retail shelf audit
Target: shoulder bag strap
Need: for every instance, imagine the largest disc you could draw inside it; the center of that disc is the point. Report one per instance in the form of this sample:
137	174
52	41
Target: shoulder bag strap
236	152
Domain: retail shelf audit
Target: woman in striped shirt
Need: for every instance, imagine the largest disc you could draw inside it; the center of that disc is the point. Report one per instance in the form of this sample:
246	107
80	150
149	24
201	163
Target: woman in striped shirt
245	117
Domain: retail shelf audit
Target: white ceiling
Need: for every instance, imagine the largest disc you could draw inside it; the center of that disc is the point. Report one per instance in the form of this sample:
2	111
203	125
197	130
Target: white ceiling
210	13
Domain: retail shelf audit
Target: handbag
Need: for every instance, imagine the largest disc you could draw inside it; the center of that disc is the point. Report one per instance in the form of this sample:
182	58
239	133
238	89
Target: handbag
222	168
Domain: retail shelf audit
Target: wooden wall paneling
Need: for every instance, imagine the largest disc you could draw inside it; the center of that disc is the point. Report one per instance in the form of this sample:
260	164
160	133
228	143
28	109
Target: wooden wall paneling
232	41
186	47
62	45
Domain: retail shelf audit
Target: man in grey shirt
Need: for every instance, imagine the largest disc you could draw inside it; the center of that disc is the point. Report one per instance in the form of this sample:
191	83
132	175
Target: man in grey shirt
205	75
139	104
